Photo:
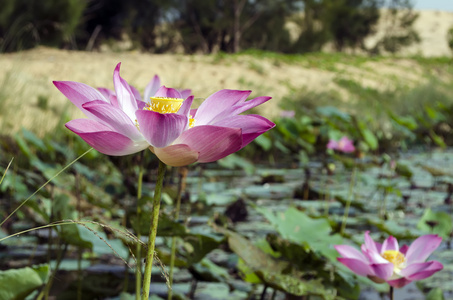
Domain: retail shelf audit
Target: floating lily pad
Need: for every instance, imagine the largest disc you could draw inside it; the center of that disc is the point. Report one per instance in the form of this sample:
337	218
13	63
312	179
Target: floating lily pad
437	222
296	226
18	283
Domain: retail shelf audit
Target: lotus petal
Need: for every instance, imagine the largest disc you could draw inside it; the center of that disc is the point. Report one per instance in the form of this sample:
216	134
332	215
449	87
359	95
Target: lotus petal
176	155
422	247
114	118
423	270
151	88
384	271
217	103
390	244
104	139
79	94
212	142
350	252
252	126
126	99
357	266
160	130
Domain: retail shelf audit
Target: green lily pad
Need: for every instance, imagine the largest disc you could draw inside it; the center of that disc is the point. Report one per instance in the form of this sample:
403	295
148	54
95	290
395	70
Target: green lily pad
297	227
271	271
16	284
437	222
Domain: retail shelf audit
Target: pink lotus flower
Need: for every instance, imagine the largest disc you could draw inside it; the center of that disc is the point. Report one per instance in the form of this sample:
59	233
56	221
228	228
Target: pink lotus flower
388	263
121	123
343	145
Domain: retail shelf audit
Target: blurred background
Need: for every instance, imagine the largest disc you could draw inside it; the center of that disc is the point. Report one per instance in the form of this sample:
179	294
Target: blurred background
195	26
279	48
379	72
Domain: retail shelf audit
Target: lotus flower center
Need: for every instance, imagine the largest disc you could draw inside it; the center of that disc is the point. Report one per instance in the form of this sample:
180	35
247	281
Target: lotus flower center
396	258
164	105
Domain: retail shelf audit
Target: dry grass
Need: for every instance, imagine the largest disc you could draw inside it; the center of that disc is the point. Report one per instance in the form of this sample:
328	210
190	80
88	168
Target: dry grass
28	75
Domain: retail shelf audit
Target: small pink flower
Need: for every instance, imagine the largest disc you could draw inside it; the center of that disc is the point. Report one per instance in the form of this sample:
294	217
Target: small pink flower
388	263
287	114
120	123
343	145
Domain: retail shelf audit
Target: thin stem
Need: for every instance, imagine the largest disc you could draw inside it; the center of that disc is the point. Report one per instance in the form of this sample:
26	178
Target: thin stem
79	273
182	184
383	210
6	170
263	294
61	255
138	268
348	203
79	249
326	194
36	228
153	231
391	292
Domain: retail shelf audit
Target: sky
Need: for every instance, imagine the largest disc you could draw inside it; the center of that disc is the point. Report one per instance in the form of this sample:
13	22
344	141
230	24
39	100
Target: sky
446	5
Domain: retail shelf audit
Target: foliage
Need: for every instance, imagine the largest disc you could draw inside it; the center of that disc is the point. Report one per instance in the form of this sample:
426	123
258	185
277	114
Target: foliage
206	26
25	24
137	20
288	249
274	272
450	38
314	35
228	26
399	31
19	283
438	222
390	123
350	21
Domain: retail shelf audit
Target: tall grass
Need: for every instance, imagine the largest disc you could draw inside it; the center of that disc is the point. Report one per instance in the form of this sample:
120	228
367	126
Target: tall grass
25	107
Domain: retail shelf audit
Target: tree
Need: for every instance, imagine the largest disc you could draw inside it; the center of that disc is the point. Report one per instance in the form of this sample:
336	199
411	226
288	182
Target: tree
399	31
112	19
313	34
229	25
349	22
27	23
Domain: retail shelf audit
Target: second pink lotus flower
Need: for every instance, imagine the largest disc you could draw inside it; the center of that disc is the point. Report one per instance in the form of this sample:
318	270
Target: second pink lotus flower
387	262
121	123
343	145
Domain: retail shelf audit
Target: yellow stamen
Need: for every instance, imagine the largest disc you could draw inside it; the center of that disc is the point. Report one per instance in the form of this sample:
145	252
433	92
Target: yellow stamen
164	105
191	122
396	258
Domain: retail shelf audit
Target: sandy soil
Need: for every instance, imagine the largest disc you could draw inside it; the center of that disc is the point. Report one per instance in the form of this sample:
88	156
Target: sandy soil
432	27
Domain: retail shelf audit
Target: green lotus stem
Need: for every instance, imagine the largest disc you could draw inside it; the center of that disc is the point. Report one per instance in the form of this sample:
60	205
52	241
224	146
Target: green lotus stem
153	231
391	293
182	183
138	268
348	203
79	273
172	266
